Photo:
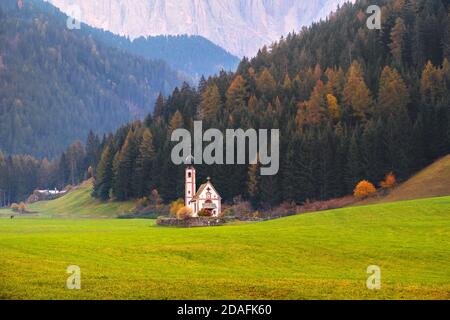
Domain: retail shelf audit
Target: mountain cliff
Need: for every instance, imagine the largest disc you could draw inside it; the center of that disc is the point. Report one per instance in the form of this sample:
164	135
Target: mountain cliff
240	26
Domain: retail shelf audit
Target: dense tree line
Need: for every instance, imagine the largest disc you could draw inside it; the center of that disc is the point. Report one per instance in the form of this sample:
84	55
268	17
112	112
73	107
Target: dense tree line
351	104
56	84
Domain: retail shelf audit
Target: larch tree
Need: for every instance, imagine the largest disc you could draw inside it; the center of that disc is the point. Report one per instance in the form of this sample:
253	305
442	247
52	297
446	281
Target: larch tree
210	103
393	94
398	41
176	122
236	100
333	107
265	83
356	94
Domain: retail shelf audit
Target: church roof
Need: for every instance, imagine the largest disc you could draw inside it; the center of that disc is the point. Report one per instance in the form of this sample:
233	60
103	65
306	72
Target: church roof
202	187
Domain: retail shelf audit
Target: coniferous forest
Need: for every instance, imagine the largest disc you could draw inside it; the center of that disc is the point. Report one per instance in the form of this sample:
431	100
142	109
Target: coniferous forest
56	84
351	104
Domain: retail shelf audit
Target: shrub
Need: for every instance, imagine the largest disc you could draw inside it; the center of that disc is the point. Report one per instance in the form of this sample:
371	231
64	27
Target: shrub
15	207
184	213
175	207
364	189
204	213
142	203
22	207
389	182
155	198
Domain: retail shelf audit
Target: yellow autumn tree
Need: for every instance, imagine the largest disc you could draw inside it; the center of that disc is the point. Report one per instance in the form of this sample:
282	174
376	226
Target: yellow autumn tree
393	94
176	122
432	84
287	83
336	81
265	83
184	213
236	94
175	206
333	107
313	110
356	94
210	103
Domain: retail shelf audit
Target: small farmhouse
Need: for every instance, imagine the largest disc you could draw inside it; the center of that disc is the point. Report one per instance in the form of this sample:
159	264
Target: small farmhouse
205	198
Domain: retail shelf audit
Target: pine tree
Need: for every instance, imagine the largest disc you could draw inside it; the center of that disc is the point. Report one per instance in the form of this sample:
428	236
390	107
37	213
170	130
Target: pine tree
355	164
123	168
142	175
93	150
159	106
104	175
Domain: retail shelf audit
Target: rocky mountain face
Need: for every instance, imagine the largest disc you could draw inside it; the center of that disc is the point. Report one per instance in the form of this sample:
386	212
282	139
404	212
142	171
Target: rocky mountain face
239	26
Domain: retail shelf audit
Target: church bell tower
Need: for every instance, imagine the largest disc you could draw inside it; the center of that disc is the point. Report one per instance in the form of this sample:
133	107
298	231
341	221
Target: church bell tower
190	186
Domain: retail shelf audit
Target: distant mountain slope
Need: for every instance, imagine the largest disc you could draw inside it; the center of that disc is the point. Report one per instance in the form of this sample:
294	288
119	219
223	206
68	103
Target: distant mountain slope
240	26
57	84
433	181
193	56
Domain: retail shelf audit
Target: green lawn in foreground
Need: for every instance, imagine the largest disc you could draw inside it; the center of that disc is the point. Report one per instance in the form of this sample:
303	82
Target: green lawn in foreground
313	256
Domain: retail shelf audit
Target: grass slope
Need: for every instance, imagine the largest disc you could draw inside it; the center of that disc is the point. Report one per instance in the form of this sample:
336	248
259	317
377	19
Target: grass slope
433	181
313	256
77	204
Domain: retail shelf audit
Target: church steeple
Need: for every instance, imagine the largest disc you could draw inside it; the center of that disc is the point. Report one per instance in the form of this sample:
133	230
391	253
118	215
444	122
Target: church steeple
190	184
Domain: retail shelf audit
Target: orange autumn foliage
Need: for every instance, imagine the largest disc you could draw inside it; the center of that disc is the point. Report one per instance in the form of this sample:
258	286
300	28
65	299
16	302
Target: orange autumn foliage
389	181
364	189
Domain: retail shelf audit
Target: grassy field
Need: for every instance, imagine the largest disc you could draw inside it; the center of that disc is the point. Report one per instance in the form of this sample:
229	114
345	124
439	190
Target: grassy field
312	256
77	204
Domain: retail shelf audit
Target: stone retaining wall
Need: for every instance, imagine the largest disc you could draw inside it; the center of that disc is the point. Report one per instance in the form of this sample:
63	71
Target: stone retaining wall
190	223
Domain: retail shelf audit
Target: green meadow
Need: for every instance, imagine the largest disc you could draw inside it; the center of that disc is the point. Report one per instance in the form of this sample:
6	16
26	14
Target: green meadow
311	256
77	204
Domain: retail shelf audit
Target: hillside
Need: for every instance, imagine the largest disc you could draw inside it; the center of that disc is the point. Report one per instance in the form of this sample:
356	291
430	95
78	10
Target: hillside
312	256
56	85
192	56
433	181
77	204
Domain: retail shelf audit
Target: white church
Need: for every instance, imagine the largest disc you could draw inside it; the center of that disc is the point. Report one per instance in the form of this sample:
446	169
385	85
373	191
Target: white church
206	197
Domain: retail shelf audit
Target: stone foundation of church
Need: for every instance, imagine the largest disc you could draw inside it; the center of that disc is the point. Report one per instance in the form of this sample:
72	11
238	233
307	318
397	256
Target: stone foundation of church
189	223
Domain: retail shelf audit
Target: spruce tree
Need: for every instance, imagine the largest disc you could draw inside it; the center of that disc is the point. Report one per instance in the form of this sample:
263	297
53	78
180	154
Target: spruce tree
104	175
142	174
